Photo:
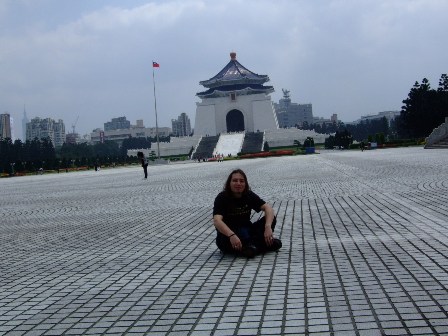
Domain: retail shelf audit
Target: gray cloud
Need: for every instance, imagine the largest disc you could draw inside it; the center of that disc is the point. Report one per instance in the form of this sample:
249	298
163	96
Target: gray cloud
93	59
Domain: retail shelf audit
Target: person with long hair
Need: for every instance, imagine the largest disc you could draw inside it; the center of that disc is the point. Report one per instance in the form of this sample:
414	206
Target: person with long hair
144	162
231	217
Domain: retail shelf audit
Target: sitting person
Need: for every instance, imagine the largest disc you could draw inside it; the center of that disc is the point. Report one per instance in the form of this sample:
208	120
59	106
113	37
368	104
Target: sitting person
231	217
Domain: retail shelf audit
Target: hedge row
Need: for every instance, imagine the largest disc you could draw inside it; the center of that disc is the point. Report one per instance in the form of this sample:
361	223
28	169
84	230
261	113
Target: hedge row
267	154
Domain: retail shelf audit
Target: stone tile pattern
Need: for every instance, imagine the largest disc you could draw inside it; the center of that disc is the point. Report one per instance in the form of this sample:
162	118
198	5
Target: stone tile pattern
365	250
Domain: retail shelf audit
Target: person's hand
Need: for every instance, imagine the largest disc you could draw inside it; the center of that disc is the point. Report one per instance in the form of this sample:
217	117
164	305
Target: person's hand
236	243
268	235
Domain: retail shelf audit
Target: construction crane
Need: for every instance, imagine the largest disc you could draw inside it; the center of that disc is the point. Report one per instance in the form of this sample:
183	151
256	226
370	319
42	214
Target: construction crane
74	124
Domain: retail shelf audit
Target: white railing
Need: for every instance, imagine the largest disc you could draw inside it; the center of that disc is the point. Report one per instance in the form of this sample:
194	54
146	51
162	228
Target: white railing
262	143
196	147
286	137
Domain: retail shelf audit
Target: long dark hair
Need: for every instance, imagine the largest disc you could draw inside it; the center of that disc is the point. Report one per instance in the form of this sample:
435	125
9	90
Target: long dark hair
227	189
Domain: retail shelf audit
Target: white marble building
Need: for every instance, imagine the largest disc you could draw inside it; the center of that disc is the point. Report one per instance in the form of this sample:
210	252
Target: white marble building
235	101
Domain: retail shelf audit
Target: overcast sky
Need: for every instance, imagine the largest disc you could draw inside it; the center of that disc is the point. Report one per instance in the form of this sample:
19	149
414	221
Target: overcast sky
93	58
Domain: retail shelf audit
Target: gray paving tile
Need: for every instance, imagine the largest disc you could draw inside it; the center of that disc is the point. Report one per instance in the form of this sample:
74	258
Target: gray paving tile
365	246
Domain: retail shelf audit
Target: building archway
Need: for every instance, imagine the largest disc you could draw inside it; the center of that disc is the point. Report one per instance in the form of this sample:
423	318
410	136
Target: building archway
235	121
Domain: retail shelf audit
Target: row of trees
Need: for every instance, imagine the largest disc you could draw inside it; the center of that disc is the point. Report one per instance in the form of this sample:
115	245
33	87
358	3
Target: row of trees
32	155
367	131
359	131
107	149
424	109
340	139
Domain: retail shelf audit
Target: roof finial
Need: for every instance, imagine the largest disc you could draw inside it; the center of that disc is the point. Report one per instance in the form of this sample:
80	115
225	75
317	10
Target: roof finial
233	55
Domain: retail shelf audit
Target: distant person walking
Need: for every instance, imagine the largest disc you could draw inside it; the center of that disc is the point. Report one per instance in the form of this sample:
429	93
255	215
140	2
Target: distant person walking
231	217
144	162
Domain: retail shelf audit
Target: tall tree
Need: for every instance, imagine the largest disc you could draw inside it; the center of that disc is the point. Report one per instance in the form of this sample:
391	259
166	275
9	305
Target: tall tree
343	139
424	109
443	83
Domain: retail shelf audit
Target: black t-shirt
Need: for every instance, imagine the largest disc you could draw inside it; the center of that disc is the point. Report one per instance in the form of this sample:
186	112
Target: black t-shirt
236	211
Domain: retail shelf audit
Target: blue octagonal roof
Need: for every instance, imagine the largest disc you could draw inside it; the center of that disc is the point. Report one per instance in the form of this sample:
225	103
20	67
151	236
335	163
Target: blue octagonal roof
234	73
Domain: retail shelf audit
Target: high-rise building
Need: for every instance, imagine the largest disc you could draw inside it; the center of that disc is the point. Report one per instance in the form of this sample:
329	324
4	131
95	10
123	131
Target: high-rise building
292	114
24	122
59	133
5	126
117	123
46	128
11	121
181	126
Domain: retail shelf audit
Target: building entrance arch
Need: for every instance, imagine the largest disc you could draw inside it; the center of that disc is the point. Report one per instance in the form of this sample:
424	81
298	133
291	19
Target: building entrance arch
235	121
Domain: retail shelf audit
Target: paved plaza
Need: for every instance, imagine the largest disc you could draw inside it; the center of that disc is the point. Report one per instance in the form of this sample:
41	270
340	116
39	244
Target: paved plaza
365	249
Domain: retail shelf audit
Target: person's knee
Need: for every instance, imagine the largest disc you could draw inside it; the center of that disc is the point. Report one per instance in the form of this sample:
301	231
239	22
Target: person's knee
262	221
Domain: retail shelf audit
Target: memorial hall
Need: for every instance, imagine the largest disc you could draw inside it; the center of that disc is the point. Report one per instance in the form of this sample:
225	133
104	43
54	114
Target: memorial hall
235	115
236	100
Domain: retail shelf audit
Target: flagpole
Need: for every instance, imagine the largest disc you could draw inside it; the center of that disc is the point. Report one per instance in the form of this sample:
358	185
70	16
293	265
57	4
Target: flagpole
155	108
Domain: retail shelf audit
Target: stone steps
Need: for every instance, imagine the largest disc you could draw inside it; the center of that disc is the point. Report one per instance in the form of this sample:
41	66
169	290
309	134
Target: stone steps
205	147
253	143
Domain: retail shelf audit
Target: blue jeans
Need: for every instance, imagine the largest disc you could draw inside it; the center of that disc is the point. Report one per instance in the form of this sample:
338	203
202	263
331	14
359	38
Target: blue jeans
250	234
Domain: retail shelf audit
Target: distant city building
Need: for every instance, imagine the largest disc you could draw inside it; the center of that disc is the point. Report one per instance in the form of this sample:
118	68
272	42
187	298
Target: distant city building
59	133
24	122
46	128
181	126
5	126
11	122
120	134
389	115
117	123
72	138
292	114
321	121
139	124
85	138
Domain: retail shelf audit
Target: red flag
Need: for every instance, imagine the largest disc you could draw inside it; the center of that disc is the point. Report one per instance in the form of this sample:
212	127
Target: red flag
155	65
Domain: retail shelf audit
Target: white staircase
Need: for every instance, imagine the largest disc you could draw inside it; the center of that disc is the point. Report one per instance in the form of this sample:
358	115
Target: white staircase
229	143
